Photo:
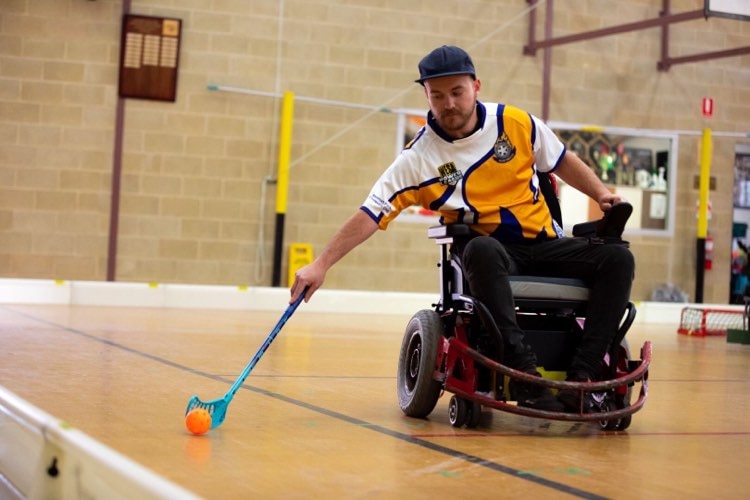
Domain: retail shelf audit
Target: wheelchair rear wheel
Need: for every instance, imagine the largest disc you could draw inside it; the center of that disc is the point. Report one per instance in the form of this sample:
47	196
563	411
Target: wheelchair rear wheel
418	391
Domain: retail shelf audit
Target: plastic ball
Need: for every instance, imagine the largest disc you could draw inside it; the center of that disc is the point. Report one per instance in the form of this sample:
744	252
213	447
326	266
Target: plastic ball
198	421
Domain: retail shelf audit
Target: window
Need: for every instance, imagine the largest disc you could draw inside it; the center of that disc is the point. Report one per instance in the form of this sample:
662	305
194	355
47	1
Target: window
638	164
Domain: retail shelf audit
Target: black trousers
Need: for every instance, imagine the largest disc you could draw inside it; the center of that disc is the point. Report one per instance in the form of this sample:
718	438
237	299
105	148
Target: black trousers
608	269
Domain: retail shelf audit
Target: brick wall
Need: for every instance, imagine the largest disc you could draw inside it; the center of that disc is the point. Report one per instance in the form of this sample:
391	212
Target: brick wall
193	171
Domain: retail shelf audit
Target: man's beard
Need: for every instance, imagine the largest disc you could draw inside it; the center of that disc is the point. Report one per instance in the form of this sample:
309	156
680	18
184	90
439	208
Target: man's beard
454	120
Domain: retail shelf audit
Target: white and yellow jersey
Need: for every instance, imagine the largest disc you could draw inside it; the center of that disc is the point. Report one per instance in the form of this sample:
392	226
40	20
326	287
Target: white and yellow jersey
487	180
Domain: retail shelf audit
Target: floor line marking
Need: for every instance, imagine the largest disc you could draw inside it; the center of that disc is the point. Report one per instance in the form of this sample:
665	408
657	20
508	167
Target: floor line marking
560	487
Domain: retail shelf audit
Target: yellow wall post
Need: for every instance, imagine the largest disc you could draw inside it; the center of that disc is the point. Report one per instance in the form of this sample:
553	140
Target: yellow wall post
282	180
705	177
285	151
700	240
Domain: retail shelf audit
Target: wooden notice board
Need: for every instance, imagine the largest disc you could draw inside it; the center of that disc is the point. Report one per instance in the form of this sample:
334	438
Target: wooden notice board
149	57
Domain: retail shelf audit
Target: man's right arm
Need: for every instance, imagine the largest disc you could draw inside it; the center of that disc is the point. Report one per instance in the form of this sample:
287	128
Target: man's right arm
355	231
577	174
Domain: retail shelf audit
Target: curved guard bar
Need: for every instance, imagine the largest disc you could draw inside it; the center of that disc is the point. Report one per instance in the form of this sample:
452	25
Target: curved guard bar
639	374
554	415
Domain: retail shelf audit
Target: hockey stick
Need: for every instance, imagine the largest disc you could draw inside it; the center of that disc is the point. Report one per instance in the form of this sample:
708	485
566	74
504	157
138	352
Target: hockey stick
217	408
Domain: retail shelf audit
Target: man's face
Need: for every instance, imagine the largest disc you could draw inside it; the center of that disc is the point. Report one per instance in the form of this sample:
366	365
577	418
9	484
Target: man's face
452	101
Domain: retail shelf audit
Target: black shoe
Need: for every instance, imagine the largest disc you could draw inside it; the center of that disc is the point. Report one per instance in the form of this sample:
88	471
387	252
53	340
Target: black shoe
534	396
575	401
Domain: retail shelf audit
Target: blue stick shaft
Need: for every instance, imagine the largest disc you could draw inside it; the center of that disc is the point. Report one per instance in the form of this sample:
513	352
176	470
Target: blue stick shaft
271	336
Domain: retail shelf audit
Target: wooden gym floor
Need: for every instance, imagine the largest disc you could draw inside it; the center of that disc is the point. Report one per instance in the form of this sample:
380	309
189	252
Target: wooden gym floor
318	417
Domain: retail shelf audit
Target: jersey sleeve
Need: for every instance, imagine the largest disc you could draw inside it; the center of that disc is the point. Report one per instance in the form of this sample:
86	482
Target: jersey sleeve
396	189
548	148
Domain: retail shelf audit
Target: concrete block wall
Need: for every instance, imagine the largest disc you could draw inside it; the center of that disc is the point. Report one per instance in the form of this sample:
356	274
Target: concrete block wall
194	207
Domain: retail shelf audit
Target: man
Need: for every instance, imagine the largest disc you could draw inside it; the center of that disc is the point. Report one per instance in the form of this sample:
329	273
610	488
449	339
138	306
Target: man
476	163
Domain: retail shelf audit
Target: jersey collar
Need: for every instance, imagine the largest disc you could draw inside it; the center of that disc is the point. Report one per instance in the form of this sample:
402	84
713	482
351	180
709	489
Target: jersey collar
481	114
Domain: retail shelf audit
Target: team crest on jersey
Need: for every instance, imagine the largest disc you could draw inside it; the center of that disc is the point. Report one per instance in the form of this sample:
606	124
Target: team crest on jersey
449	174
504	149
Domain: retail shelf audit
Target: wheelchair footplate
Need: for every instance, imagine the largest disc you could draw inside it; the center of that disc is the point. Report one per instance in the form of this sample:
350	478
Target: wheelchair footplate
458	367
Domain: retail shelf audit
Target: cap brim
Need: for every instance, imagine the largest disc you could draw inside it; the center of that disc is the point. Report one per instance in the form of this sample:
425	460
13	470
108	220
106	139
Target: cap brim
450	73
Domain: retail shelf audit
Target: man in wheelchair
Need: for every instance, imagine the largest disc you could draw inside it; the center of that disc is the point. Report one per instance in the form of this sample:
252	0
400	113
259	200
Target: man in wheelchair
482	164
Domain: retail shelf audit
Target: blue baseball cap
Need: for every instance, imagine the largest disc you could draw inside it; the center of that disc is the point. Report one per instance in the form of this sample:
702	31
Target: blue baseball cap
445	61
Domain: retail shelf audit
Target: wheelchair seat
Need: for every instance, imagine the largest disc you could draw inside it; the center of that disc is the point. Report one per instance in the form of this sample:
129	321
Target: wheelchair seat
539	292
535	289
535	292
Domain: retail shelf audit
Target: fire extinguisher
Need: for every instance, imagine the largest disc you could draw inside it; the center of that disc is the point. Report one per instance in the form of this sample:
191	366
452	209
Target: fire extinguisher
708	262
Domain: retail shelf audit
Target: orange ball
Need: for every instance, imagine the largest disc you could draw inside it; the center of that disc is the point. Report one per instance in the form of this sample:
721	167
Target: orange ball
198	421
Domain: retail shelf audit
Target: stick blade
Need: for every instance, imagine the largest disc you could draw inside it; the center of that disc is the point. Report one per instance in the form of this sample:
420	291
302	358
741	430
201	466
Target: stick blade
216	408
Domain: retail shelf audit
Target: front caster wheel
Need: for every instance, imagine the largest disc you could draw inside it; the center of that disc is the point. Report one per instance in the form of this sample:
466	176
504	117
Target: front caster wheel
475	414
457	411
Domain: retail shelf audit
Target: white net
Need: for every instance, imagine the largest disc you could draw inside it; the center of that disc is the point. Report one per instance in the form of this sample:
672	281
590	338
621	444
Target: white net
697	321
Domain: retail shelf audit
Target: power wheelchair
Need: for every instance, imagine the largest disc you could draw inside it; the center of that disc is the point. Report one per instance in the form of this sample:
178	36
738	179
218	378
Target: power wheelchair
448	348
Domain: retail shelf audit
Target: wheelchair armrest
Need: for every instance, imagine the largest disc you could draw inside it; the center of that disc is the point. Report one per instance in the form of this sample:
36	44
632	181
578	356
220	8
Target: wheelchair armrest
448	231
610	227
585	229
